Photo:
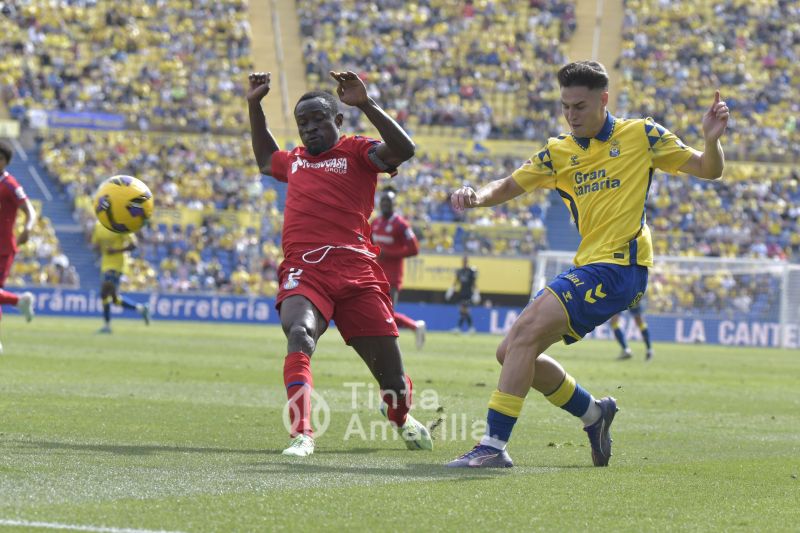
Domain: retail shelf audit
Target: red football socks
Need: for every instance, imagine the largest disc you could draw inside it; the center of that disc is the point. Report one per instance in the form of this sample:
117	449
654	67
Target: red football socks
8	298
398	406
299	384
404	321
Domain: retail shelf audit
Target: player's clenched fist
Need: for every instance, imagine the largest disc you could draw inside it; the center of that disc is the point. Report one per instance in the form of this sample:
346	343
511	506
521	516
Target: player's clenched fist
464	198
259	86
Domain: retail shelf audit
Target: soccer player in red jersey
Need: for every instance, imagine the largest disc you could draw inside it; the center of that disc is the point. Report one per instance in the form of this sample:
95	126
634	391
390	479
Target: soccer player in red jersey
396	239
12	199
329	269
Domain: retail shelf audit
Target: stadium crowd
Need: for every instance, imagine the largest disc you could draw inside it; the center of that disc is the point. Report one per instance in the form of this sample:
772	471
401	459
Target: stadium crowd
209	175
482	68
162	65
674	51
719	295
40	261
479	69
739	217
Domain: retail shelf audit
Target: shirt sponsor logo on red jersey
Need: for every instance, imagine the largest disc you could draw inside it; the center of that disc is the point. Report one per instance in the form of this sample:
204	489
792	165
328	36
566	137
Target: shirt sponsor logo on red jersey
335	164
384	239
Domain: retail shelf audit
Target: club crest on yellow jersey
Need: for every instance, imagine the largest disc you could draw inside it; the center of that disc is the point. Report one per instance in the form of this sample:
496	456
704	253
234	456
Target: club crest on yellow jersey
614	152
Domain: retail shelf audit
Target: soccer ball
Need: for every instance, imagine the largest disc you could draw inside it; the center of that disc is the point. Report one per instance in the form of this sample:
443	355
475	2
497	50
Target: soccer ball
123	204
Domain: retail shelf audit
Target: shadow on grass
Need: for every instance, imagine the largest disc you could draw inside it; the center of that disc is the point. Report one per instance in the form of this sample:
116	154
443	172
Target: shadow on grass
149	449
319	464
137	449
433	471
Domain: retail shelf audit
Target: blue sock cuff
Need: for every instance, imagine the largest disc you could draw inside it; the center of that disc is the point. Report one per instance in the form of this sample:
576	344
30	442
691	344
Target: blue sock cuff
579	402
499	426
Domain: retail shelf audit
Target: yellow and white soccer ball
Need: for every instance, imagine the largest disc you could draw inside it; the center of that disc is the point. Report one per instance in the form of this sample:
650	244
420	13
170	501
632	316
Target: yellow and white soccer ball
123	204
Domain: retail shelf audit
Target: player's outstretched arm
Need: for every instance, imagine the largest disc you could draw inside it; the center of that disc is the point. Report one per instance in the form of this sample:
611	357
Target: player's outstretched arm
493	193
397	146
710	163
264	144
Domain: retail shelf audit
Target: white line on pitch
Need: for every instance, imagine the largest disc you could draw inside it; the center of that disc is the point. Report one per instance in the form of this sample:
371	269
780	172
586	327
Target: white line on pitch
73	527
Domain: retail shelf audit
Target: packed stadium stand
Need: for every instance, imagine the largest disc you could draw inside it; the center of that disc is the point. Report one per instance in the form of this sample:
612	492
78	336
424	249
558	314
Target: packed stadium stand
721	295
738	218
162	65
675	53
474	70
485	69
43	260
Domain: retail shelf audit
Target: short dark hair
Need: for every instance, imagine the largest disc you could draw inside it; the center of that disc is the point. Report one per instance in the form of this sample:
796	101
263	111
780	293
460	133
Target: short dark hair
332	101
6	151
590	74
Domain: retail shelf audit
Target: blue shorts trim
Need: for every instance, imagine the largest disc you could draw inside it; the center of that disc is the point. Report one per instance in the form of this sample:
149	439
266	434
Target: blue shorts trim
592	294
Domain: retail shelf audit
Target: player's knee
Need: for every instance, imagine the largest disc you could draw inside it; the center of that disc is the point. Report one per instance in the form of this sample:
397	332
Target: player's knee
300	339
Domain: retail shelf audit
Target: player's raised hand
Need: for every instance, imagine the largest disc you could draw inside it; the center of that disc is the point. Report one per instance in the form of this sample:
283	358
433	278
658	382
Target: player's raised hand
716	119
464	198
351	89
259	86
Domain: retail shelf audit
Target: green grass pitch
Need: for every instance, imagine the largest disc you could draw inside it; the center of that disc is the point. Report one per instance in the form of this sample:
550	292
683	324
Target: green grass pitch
177	427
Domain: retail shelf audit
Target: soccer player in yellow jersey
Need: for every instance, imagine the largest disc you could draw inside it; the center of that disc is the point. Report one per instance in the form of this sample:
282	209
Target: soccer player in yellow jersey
602	170
114	248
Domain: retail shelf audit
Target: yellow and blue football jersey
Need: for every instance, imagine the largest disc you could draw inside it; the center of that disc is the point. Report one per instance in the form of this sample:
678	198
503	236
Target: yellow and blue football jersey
604	182
105	240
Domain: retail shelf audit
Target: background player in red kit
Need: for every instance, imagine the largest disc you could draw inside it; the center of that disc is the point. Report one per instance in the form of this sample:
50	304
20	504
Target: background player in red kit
393	234
329	269
12	199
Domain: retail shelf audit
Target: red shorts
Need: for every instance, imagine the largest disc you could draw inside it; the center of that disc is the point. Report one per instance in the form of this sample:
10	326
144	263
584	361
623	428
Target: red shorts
345	286
5	267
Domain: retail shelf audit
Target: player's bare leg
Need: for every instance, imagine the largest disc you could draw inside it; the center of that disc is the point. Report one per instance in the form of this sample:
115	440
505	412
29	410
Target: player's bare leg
303	325
383	358
524	365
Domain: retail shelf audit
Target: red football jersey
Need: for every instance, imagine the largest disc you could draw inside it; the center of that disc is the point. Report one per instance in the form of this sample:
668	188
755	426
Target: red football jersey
12	196
397	241
330	195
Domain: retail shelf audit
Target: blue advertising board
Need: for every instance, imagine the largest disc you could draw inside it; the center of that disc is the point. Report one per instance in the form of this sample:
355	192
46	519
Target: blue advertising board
87	120
439	317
